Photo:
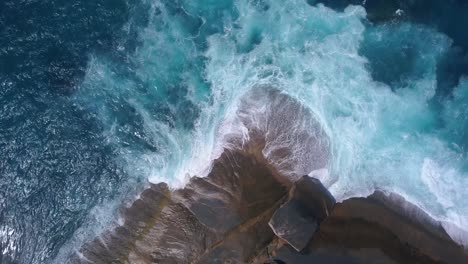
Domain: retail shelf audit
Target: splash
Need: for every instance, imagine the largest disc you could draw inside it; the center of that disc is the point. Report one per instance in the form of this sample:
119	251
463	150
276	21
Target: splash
362	93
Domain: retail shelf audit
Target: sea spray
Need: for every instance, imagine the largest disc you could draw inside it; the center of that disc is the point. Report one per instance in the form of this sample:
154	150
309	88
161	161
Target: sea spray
382	126
160	96
382	132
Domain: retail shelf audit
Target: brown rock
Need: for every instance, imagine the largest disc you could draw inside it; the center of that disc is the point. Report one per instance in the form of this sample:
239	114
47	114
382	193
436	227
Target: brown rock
226	216
298	219
384	228
220	217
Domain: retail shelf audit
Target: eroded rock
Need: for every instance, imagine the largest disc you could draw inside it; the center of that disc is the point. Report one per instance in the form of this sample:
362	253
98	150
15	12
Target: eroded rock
220	217
244	212
389	223
298	219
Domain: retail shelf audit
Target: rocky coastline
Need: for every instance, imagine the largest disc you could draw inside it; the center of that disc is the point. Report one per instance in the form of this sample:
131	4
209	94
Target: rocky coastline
244	211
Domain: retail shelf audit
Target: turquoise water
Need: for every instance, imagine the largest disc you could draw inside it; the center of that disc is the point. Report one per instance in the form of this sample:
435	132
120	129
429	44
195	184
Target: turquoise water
372	86
382	89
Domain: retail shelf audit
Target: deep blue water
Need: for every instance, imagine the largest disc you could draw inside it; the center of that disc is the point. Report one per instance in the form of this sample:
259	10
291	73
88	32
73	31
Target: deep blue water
98	96
55	164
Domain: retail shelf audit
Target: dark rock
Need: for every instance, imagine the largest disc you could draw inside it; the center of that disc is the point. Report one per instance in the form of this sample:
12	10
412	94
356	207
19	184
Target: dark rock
333	256
223	216
290	224
239	187
313	197
226	218
386	223
298	219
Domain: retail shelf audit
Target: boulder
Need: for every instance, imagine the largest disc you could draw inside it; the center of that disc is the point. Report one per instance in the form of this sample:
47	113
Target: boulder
298	219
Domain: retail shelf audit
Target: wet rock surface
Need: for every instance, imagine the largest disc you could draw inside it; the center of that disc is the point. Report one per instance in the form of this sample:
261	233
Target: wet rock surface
245	212
298	219
221	217
387	222
382	228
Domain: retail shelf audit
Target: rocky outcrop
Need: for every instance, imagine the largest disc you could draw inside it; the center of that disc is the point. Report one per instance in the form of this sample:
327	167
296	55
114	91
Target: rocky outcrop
399	229
245	212
213	219
382	228
256	207
298	219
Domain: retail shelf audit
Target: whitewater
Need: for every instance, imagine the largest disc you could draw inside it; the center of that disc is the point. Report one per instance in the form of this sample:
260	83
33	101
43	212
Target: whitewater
183	97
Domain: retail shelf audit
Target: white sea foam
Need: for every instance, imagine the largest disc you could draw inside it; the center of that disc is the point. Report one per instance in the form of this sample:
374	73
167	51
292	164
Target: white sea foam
294	142
374	137
7	240
380	138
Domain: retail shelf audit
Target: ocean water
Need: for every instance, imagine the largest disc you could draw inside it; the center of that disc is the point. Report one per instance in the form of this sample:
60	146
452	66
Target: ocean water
100	97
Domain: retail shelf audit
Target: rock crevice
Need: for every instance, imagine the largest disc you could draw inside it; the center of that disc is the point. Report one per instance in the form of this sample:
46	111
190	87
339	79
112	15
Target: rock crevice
244	211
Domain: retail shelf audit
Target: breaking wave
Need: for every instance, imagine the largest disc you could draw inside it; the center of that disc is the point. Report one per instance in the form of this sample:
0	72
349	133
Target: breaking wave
360	97
306	79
